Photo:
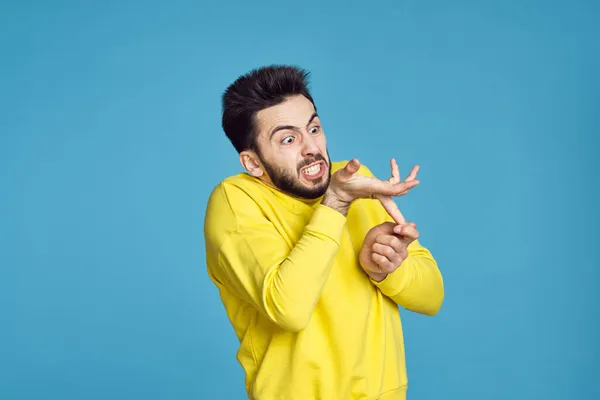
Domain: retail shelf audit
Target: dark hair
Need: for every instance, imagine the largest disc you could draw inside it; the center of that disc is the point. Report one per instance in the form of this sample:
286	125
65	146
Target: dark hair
258	89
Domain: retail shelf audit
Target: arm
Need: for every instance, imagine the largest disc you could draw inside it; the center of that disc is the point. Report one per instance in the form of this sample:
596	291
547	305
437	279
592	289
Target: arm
282	280
415	282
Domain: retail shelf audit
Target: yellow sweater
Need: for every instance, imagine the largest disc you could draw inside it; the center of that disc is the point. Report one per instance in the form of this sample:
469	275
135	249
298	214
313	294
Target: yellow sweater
310	322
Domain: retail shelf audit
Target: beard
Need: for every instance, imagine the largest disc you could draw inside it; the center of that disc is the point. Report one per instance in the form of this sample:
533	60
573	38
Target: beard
290	183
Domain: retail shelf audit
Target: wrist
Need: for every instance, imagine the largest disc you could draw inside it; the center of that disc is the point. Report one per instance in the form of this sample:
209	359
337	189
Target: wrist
377	277
332	201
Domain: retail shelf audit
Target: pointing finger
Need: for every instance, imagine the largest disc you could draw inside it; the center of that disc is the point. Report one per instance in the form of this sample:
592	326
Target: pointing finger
392	209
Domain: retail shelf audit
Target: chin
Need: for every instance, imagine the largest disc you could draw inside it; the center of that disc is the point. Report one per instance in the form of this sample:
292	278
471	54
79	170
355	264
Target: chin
317	190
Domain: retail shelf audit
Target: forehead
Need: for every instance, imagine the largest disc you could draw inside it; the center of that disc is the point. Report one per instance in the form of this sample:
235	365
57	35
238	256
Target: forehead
295	111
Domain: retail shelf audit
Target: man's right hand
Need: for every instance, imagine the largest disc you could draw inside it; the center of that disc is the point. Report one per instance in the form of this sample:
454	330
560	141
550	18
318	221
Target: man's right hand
346	186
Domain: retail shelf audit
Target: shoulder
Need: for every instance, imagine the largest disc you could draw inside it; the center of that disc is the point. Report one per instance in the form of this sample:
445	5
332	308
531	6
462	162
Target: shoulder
234	202
233	195
233	189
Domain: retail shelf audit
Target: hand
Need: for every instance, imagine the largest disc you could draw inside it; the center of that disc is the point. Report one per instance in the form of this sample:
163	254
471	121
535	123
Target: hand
346	186
385	247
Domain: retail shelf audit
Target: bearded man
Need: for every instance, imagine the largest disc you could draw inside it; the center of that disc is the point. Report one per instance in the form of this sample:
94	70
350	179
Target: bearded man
311	257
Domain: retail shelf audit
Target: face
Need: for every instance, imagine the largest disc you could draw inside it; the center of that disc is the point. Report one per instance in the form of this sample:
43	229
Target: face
292	152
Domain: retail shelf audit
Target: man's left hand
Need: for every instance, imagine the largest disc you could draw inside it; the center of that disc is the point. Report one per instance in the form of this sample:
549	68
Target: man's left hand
385	247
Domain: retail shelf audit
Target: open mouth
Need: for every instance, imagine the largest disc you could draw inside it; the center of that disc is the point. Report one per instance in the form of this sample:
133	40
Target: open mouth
313	171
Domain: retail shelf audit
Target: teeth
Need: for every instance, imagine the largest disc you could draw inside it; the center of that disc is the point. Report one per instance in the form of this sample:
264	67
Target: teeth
315	169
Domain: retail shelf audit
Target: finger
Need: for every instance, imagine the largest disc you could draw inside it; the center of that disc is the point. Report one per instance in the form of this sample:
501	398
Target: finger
407	228
399	249
350	169
413	174
352	166
395	172
384	264
402	193
397	228
392	209
393	257
384	250
408	233
378	187
390	241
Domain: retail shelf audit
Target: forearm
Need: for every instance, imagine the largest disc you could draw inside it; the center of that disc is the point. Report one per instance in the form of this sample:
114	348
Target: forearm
287	284
293	290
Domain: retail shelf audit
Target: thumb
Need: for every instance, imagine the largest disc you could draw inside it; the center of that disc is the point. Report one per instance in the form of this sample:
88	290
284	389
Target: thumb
350	169
407	232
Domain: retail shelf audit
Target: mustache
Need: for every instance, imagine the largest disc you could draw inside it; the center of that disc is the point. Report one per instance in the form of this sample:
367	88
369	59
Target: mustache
309	161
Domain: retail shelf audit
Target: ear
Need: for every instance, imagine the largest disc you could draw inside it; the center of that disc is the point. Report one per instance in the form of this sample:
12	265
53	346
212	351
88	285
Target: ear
251	163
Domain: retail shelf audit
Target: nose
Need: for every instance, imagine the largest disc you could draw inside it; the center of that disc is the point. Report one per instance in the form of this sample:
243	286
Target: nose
309	145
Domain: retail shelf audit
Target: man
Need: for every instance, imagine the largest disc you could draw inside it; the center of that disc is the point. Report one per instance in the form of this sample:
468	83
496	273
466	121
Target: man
311	257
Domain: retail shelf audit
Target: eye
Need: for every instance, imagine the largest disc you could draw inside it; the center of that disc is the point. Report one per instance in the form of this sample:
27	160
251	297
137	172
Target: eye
288	140
315	129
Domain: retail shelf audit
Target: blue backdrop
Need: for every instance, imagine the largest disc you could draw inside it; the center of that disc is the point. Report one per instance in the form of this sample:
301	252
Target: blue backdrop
111	143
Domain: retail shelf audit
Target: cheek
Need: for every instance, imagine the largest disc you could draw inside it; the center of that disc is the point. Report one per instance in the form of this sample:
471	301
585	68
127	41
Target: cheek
286	161
323	145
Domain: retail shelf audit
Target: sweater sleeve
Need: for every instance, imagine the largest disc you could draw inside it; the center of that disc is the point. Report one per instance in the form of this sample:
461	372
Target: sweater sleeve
282	281
417	283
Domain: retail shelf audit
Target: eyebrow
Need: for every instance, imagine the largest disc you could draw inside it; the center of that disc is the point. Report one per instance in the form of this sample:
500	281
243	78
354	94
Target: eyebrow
293	128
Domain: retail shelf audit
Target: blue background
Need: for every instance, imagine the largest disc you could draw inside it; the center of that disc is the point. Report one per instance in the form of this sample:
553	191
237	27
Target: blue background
111	143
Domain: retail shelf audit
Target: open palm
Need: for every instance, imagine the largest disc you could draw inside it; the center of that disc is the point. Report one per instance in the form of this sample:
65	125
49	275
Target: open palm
348	185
